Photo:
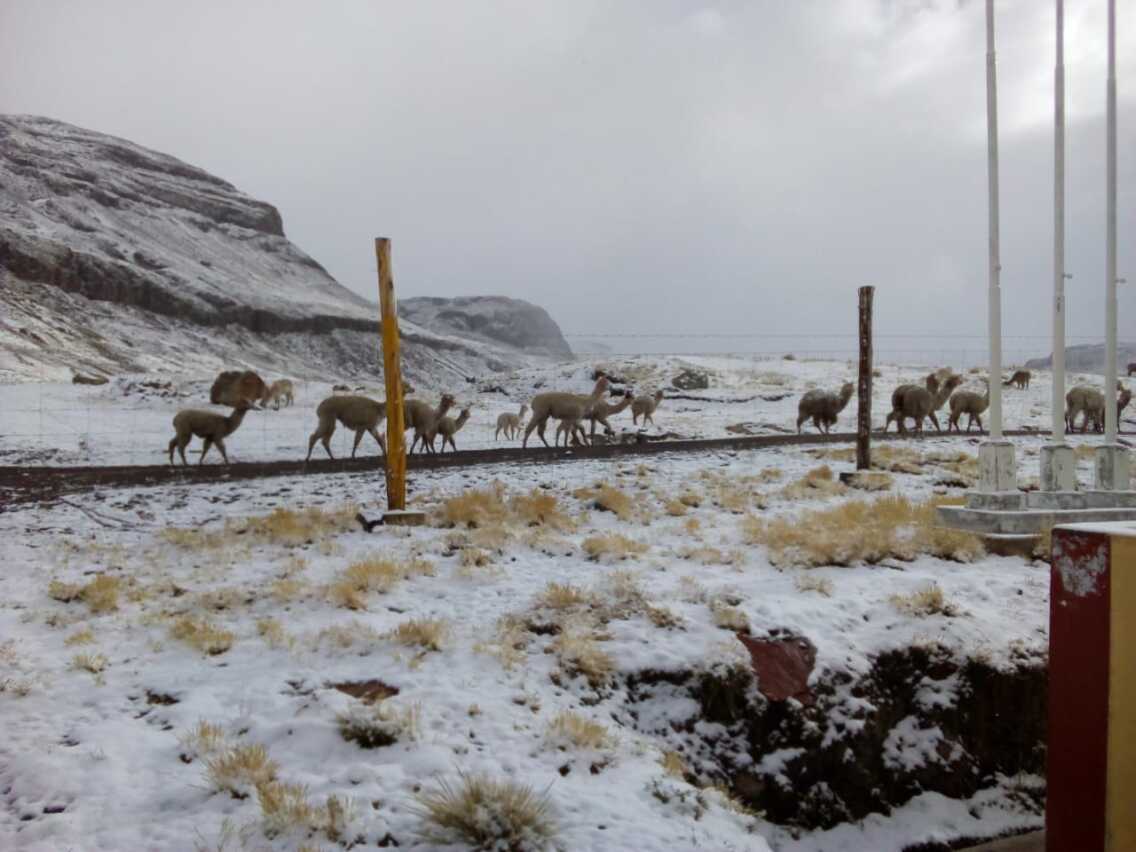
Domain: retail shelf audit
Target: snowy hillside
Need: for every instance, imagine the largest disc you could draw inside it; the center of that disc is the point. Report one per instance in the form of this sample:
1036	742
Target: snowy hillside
118	259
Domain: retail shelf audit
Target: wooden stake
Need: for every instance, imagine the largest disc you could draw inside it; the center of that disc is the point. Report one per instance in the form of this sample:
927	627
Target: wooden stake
864	390
392	373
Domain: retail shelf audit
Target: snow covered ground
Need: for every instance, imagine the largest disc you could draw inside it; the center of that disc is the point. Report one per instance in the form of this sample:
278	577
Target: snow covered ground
104	688
65	424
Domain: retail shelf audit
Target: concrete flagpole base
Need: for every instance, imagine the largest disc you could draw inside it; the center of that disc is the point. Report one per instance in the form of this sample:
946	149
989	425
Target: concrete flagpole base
1112	468
996	470
1058	468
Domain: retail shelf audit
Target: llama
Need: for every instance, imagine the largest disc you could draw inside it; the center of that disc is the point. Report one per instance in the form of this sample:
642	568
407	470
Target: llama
644	406
510	424
562	406
211	427
359	413
823	407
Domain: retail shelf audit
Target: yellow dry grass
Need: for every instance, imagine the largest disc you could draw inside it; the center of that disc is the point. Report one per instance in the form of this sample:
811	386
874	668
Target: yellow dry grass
202	740
578	653
427	633
100	594
929	600
240	768
85	636
607	498
202	635
860	531
663	618
673	764
810	583
570	730
487	813
675	508
564	596
540	508
818	483
273	633
729	617
613	546
350	588
476	508
93	663
863	480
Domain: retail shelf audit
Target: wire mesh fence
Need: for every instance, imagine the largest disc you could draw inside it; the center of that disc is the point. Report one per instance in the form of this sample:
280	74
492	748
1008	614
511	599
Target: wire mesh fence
128	420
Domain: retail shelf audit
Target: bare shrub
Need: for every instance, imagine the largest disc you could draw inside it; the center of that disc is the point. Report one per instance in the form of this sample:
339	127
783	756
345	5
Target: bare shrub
487	813
860	531
572	731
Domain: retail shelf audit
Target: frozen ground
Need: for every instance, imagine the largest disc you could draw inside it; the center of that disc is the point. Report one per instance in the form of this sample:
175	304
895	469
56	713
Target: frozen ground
100	698
65	424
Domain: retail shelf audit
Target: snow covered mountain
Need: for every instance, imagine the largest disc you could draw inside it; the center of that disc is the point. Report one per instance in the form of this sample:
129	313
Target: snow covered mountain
118	259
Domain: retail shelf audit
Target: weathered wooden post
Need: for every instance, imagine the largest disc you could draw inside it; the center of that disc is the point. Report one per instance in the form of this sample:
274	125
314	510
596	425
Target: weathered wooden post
392	374
864	388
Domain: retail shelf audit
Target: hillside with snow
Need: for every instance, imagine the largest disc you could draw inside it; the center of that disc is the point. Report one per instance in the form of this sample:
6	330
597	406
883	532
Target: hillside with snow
117	259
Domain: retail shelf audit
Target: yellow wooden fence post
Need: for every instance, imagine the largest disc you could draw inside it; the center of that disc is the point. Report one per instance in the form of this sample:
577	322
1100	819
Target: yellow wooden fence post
396	444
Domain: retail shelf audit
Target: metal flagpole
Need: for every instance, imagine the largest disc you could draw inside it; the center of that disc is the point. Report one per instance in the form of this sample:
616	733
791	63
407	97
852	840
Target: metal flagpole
996	456
1058	465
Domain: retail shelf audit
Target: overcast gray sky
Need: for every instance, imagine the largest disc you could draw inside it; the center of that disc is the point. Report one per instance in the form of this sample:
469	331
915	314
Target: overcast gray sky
635	167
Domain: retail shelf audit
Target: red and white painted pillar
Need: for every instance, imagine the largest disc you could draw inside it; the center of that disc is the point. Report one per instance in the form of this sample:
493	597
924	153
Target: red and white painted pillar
1091	773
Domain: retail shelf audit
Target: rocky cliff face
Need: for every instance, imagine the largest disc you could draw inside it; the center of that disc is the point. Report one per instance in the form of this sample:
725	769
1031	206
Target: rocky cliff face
494	319
115	258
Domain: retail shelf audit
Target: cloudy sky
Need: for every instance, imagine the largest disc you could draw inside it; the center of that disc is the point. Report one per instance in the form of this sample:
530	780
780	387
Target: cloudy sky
635	166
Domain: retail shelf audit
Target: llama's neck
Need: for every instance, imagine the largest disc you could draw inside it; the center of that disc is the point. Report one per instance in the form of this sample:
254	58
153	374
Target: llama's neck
233	421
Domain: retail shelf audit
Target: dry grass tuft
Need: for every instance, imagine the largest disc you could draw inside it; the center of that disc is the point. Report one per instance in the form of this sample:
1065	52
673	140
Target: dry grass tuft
662	617
863	480
203	635
272	631
809	583
818	483
100	594
487	813
564	596
427	633
712	556
286	590
867	531
240	769
579	653
284	807
93	663
675	508
614	546
352	635
729	617
202	740
572	731
673	764
378	725
351	587
508	644
290	527
929	600
607	498
64	592
476	508
80	637
540	508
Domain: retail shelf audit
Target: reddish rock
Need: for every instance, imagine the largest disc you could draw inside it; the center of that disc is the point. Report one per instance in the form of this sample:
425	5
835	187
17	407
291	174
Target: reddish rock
782	666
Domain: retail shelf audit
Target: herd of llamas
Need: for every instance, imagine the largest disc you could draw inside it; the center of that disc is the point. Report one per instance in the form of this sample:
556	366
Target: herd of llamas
362	415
